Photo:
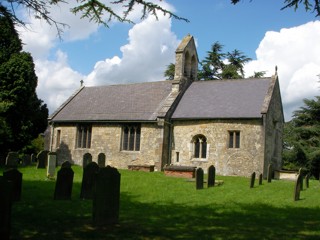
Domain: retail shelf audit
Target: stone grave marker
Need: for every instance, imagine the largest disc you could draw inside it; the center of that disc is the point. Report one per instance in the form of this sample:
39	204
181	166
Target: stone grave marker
102	160
269	177
12	160
301	179
52	163
6	192
26	160
42	159
253	178
88	179
87	158
15	177
260	179
199	178
33	158
297	188
66	164
106	197
211	176
63	188
307	180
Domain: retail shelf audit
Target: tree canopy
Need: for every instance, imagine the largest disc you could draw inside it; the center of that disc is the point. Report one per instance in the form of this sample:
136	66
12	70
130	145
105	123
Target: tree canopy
22	115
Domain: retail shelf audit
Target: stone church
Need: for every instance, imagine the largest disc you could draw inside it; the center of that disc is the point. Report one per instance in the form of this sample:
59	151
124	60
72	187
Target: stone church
235	125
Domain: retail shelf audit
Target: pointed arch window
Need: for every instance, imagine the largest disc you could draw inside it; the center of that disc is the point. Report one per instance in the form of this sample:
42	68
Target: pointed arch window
199	146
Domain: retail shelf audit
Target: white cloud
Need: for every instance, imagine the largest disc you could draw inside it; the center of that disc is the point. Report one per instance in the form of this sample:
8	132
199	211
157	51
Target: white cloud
296	52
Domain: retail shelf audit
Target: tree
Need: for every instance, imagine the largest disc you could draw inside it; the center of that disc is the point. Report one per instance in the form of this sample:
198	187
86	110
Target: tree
22	115
309	5
169	73
98	11
237	60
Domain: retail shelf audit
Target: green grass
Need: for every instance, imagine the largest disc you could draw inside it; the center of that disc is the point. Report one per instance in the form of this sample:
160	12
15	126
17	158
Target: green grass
154	206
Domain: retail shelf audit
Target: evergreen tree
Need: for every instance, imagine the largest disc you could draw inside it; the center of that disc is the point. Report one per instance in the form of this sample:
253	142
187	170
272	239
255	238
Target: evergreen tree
22	115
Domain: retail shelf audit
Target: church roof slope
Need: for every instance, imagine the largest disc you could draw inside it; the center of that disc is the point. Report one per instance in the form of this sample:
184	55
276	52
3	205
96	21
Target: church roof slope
221	99
126	102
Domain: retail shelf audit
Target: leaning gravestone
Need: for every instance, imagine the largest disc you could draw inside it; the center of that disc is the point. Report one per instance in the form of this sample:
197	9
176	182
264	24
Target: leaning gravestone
6	188
199	178
15	177
66	164
106	196
253	178
269	177
211	176
102	160
26	160
12	160
87	158
52	163
42	159
88	179
297	188
63	189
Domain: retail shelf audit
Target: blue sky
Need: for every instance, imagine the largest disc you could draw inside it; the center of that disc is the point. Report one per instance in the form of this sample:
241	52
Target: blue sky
125	53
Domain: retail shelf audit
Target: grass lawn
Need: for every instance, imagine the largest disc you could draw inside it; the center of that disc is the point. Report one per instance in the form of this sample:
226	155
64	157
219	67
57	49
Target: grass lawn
154	206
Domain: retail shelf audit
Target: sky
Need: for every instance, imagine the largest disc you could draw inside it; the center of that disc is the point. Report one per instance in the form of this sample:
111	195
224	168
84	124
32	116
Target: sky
140	52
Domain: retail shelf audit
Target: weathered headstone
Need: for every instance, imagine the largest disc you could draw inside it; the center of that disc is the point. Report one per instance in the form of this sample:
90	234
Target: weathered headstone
260	179
26	160
253	178
88	179
106	196
297	188
269	177
52	163
6	189
33	158
199	178
42	159
102	160
307	180
66	164
63	189
211	176
301	179
12	160
15	177
87	158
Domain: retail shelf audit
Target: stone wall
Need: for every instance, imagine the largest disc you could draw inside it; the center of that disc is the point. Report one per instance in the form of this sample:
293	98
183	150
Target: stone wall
106	138
228	161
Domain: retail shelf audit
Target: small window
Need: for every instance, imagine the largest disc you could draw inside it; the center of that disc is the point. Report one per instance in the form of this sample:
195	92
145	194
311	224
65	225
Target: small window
234	139
199	146
131	138
177	156
84	136
58	138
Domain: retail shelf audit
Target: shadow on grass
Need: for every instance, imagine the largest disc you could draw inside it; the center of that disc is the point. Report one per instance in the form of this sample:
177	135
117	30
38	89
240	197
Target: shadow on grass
38	216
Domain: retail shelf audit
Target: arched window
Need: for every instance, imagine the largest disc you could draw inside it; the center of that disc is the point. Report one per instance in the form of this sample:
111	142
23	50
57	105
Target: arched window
187	64
194	66
199	146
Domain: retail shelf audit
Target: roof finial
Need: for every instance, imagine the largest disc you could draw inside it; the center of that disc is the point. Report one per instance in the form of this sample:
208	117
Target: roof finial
81	83
276	73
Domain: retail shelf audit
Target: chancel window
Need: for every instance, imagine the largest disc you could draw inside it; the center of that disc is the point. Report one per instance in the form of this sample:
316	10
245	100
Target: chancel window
84	136
234	139
131	138
199	146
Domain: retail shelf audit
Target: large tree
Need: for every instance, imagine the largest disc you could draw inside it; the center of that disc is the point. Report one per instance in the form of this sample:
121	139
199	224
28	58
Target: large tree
22	115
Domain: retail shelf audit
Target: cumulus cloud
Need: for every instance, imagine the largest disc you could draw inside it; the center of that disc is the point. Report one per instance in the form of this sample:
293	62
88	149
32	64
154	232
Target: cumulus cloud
296	52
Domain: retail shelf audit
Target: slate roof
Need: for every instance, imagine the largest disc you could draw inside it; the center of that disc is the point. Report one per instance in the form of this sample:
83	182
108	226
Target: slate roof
127	102
243	98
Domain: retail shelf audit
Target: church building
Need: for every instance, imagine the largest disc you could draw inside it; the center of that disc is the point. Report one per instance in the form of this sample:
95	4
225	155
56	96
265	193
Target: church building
235	125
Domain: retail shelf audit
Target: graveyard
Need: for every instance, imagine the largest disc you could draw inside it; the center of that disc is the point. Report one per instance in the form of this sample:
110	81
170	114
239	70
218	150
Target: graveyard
156	206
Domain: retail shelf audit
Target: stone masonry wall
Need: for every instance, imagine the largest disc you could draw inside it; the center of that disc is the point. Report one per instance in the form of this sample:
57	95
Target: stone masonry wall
106	138
228	161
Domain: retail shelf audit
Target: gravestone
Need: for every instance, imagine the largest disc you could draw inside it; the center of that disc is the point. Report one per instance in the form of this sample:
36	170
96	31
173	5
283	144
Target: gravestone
42	159
12	160
66	164
253	178
260	179
26	160
269	177
301	179
199	178
52	163
211	176
33	158
63	189
102	160
87	158
307	180
297	188
88	179
6	192
15	177
106	197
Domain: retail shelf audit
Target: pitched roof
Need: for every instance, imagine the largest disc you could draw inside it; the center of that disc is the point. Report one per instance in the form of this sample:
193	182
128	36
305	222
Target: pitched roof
127	102
243	98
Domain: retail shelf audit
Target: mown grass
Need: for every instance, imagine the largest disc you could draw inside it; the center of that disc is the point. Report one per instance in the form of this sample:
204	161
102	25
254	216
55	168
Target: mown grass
154	206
